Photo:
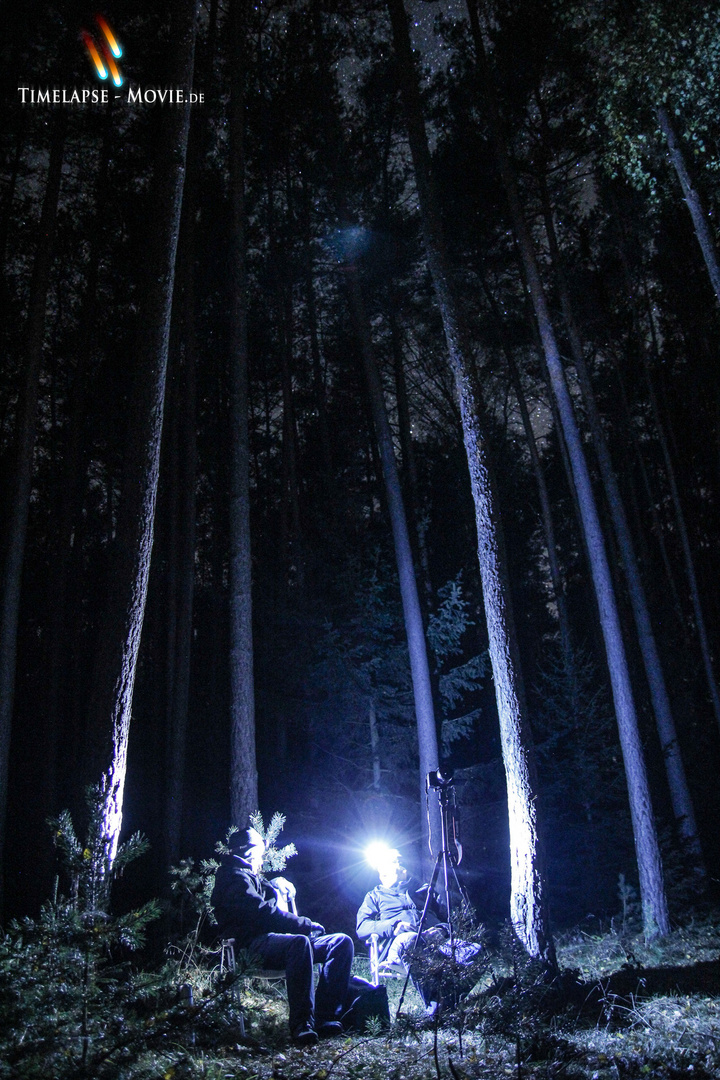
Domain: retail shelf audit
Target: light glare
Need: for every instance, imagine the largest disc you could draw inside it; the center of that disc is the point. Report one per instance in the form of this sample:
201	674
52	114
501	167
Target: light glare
378	854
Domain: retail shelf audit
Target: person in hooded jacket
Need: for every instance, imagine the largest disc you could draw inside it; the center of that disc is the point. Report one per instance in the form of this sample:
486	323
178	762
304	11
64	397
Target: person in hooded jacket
252	910
389	911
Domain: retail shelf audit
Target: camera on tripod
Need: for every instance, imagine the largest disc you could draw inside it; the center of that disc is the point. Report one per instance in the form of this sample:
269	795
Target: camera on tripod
438	781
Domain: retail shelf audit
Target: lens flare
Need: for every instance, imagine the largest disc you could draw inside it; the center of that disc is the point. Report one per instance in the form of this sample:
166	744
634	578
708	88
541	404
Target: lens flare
379	854
109	37
94	55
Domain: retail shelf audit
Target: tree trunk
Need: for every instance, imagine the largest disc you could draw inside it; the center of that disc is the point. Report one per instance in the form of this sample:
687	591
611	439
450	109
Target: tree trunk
243	768
295	555
414	629
12	183
417	533
655	914
637	320
185	478
684	536
543	495
528	905
374	744
182	525
692	200
71	482
317	366
656	527
675	770
34	339
111	702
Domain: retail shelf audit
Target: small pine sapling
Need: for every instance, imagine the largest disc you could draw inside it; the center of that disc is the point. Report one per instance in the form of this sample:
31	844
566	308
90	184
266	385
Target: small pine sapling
275	858
70	1005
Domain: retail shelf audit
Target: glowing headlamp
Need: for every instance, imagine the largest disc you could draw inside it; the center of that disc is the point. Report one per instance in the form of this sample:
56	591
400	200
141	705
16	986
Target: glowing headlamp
379	854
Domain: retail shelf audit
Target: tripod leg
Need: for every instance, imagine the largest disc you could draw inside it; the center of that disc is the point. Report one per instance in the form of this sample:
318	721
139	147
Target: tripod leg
460	887
421	924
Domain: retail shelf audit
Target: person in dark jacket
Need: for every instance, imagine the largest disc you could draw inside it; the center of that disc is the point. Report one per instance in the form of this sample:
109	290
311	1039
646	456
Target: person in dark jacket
252	910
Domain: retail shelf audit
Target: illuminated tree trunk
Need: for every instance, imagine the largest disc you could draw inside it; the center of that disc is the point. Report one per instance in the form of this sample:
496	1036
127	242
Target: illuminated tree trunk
528	905
692	201
674	768
243	767
417	534
183	463
410	475
543	495
655	914
25	440
414	629
111	703
700	626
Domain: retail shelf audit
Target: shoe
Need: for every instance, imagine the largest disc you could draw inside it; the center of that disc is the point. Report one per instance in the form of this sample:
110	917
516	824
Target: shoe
304	1037
331	1029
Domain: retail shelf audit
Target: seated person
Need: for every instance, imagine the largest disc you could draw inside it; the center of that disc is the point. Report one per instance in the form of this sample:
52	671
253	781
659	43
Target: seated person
253	910
390	912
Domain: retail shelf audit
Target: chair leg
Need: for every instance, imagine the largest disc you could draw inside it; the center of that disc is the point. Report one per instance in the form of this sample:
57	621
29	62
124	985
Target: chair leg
227	956
374	960
227	963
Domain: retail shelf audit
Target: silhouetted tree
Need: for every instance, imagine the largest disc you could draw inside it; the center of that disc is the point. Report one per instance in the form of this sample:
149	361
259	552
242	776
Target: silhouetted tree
243	770
655	914
34	341
111	702
528	904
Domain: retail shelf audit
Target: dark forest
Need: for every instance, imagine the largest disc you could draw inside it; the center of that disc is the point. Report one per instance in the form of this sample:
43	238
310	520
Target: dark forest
360	418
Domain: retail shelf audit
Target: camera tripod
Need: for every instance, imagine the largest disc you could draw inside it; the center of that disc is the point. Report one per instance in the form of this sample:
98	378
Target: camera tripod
446	859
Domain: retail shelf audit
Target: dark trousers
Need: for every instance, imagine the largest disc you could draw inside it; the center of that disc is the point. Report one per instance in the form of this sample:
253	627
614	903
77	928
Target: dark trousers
297	954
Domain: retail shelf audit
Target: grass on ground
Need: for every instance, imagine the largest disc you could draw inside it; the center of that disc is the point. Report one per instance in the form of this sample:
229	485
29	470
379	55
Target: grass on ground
627	1011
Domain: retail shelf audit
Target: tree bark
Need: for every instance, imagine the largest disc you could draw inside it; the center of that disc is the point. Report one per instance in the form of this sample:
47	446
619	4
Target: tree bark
656	527
684	536
182	526
543	495
655	914
692	200
243	767
71	482
12	183
412	613
295	554
675	770
111	702
374	743
528	904
417	533
315	352
34	339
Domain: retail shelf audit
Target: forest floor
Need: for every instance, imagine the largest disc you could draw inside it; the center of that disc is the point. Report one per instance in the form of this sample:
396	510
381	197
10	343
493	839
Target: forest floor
623	1010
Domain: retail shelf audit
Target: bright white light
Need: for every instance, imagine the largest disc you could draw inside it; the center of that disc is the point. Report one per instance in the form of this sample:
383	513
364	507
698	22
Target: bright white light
380	854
